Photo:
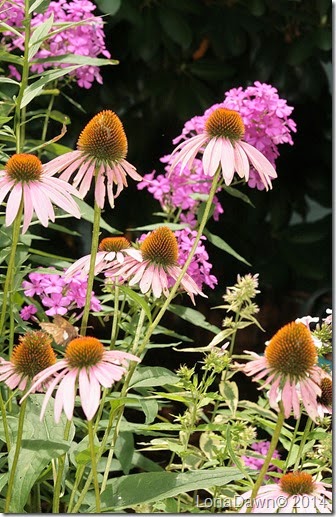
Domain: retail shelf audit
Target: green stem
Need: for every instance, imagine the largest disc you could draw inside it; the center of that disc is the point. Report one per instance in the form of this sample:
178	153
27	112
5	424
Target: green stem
264	468
94	249
16	455
46	121
293	440
300	456
19	124
114	331
11	266
4	422
94	466
60	469
149	332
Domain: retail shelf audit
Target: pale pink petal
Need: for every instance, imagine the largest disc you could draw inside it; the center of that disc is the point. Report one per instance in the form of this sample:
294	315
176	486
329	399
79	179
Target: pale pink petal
86	181
65	396
260	163
187	150
49	391
42	204
241	163
130	170
100	190
65	176
89	391
61	162
146	280
28	208
156	284
62	200
5	188
227	161
138	269
211	156
13	203
83	169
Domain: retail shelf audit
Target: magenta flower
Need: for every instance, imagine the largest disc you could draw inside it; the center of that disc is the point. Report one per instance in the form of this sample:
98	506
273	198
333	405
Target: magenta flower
86	38
221	144
33	354
297	492
27	312
155	266
289	365
255	463
111	249
88	365
26	179
102	148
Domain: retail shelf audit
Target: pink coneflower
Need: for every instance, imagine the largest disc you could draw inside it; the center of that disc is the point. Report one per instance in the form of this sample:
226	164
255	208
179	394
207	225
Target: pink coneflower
102	148
155	266
289	365
33	354
324	401
88	364
110	250
27	180
223	145
297	492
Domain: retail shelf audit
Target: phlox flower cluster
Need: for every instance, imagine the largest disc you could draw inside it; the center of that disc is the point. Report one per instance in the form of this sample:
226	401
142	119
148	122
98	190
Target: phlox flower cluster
256	463
86	39
180	190
57	292
266	119
267	123
200	267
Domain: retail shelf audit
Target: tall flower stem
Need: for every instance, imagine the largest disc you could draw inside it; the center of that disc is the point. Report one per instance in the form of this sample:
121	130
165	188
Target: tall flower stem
19	124
11	266
94	466
114	331
300	455
272	447
16	456
148	334
293	440
60	469
4	422
94	248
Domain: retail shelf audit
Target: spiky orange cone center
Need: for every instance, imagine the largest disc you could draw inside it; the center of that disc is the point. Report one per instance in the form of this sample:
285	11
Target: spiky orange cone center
225	123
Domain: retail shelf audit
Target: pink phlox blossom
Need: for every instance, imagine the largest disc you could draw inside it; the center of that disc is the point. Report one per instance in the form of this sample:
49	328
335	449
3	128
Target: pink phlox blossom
86	40
27	312
255	463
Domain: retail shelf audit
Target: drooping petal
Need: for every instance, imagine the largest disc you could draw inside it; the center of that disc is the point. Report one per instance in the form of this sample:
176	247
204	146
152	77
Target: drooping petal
13	203
89	391
65	396
227	161
212	156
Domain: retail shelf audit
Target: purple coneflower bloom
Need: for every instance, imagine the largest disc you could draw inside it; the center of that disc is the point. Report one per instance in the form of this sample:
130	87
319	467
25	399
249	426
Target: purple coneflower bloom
88	364
297	492
155	266
110	250
289	365
27	180
222	144
324	401
102	148
33	354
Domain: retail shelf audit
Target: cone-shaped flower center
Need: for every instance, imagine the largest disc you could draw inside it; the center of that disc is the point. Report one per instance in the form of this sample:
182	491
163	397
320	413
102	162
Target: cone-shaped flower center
326	392
103	138
113	244
83	352
34	353
225	123
24	167
292	351
297	483
160	246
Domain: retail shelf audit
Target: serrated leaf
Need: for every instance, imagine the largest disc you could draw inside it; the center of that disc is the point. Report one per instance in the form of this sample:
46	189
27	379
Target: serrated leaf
128	491
221	244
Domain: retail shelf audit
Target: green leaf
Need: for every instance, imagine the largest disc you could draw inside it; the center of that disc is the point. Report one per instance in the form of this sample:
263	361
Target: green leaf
175	27
10	58
35	88
150	409
137	298
221	244
9	81
78	59
193	316
229	392
60	117
124	449
38	36
128	491
42	442
39	6
240	195
148	376
5	27
109	6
